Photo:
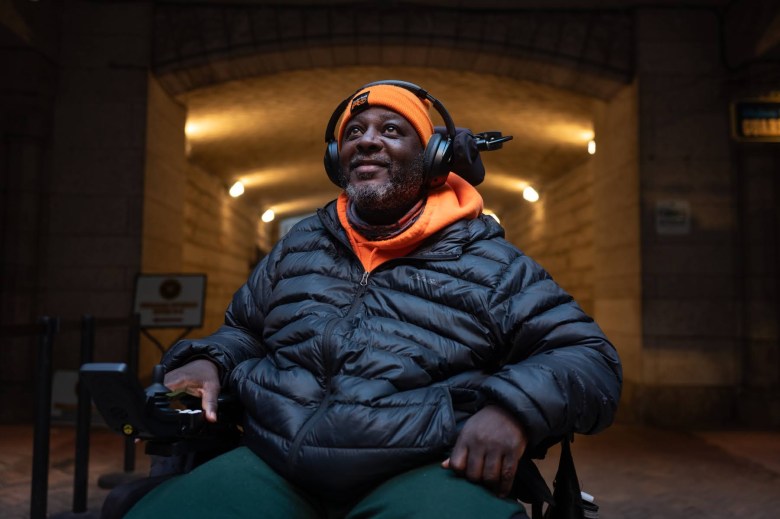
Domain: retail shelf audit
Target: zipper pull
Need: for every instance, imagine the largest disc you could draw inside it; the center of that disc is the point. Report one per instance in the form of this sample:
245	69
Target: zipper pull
364	279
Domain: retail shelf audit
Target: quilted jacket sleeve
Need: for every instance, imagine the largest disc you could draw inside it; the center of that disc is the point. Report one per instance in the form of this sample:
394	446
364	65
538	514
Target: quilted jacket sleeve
559	373
238	339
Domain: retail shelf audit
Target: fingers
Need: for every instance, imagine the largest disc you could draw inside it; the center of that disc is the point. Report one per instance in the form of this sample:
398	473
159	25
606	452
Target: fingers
468	463
458	458
488	468
508	471
175	381
496	473
491	473
209	402
198	378
475	468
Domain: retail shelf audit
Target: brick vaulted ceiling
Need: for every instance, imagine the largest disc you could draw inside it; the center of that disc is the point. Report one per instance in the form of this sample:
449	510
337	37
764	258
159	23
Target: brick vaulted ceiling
260	81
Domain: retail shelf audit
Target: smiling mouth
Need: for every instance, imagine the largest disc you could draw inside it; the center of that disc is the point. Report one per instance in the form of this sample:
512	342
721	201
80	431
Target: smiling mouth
366	169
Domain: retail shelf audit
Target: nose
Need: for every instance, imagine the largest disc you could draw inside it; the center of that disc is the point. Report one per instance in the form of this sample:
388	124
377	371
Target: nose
369	140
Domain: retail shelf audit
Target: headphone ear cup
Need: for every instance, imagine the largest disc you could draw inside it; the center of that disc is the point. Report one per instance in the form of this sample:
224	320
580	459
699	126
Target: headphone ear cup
437	159
332	163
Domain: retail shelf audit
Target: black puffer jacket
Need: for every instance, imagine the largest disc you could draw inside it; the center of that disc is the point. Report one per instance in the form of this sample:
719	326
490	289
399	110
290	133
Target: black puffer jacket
349	377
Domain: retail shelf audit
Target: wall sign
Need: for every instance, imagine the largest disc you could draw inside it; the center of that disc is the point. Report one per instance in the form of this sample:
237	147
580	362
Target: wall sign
170	300
672	217
756	120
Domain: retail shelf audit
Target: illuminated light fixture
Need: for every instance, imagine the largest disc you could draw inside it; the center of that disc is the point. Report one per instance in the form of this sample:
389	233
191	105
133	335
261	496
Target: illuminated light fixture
530	194
237	189
592	147
192	128
268	216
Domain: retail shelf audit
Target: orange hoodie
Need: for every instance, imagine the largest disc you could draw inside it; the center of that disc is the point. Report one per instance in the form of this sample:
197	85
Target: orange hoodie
454	201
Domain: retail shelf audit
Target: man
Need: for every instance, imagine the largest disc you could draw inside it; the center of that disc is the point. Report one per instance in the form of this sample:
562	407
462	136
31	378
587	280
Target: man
395	356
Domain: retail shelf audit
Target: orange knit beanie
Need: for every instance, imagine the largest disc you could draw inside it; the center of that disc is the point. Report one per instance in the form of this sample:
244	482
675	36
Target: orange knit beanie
397	99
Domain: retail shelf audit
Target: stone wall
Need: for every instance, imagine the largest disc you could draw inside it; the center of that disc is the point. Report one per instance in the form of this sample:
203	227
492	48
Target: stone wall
163	202
220	236
617	265
191	224
92	199
557	231
690	301
757	167
26	102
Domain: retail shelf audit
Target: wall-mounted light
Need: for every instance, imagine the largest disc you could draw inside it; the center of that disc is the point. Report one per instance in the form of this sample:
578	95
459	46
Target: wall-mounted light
530	194
236	189
268	216
592	147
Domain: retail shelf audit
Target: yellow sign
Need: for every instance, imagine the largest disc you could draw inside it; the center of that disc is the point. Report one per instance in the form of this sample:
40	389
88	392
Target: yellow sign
756	120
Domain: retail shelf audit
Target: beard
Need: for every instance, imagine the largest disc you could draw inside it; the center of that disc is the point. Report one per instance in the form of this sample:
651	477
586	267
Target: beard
386	202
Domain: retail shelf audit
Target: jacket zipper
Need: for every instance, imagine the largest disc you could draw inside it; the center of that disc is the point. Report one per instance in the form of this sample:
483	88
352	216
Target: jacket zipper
327	356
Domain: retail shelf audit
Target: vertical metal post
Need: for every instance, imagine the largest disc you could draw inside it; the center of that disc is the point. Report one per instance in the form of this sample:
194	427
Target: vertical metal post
83	419
47	327
132	364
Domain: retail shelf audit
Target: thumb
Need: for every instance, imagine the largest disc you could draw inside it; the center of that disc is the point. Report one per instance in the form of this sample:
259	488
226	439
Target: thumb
209	403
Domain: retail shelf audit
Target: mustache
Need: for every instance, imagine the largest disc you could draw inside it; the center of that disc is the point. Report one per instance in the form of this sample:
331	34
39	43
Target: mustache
360	159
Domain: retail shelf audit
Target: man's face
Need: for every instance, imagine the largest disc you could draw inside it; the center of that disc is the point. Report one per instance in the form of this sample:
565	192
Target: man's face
382	161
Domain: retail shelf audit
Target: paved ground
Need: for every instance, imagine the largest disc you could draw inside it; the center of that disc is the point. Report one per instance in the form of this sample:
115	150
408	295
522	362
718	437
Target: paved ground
634	472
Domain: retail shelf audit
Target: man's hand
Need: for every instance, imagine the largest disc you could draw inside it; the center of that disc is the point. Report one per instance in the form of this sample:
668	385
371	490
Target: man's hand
197	378
488	449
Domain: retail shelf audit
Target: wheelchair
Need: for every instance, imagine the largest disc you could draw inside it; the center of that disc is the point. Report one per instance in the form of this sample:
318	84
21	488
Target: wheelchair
173	428
178	438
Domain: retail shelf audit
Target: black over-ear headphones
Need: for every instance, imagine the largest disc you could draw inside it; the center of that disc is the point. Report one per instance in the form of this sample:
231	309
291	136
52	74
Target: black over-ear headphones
438	152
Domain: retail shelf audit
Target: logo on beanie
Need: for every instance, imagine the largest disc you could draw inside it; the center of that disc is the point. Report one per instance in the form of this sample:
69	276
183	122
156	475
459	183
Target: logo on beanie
360	102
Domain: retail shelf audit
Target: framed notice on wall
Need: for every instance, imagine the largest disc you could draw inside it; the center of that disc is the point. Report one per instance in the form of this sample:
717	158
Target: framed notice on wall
170	300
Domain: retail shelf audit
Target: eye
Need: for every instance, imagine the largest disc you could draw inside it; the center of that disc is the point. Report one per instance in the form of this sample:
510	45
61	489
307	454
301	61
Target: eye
352	132
392	129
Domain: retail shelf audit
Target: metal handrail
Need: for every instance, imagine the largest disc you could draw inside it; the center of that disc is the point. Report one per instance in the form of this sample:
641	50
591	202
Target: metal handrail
45	329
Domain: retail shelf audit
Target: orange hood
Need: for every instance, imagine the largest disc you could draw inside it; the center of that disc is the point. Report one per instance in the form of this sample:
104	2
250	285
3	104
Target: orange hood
454	201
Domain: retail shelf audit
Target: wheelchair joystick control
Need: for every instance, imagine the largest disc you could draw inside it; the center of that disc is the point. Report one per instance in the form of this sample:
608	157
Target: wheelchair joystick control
157	392
168	422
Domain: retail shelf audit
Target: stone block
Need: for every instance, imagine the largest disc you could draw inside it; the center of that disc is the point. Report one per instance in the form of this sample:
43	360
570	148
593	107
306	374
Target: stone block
687	177
86	85
24	214
762	357
161	255
682	41
98	215
619	316
113	125
687	406
162	222
694	317
683	285
87	171
762	322
616	261
164	183
608	285
691	362
695	258
96	278
93	250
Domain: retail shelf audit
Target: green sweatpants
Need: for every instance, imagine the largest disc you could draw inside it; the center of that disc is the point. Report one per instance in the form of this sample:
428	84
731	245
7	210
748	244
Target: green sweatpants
239	484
